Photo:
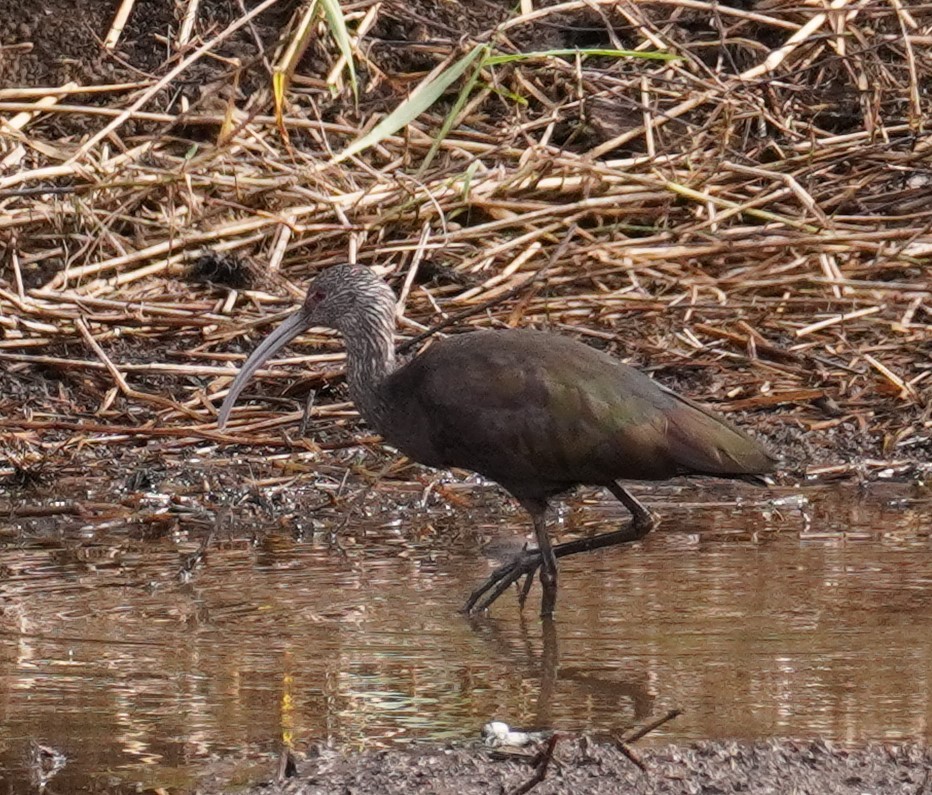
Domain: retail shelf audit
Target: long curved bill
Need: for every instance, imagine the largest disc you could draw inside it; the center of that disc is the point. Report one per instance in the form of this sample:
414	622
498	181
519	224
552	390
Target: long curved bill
279	338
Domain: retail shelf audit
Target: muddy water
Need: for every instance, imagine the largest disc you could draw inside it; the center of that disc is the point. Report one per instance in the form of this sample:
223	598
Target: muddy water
800	614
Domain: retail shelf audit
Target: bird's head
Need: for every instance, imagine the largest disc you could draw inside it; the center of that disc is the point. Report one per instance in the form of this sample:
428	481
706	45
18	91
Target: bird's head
336	298
339	298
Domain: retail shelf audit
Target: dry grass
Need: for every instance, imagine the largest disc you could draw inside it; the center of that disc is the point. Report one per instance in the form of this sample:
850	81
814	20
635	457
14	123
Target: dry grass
757	213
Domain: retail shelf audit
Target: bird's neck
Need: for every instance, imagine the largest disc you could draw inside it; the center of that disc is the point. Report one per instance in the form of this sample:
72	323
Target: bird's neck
370	359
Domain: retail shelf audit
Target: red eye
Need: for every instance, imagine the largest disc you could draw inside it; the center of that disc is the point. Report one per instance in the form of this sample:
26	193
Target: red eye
314	297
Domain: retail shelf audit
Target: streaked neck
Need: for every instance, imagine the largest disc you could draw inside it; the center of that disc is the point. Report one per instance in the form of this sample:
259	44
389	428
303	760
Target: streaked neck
370	359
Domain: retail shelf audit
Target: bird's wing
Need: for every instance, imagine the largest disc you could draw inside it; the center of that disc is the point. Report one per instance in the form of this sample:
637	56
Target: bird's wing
530	407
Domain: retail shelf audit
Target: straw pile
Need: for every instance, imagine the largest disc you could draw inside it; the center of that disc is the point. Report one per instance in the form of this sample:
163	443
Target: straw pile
750	222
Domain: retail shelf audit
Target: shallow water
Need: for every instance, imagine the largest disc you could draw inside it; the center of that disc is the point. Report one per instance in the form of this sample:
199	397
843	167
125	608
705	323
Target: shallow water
796	613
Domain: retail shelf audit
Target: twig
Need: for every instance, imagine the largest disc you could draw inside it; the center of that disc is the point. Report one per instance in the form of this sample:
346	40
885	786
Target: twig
543	760
486	305
633	735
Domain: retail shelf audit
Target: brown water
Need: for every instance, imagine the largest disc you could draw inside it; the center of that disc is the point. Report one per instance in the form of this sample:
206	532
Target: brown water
797	613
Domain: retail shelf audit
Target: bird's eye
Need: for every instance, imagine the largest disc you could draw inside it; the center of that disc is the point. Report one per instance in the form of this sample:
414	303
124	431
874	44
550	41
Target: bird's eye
314	297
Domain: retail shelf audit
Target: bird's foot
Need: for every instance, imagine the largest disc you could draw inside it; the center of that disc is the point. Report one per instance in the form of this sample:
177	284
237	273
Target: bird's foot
525	563
642	524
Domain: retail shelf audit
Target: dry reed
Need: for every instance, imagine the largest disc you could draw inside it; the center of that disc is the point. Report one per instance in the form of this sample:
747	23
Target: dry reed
752	222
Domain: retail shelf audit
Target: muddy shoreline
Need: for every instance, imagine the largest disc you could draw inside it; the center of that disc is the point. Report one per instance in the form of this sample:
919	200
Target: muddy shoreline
586	767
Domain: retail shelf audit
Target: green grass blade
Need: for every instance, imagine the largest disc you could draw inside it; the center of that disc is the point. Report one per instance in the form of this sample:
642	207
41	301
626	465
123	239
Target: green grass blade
337	26
425	95
461	100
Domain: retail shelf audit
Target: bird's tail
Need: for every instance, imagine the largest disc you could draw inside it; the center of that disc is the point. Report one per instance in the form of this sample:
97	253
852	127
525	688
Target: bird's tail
701	442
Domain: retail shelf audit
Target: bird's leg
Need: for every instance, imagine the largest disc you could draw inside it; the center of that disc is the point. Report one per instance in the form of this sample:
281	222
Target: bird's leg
525	589
548	565
524	563
641	518
642	521
527	562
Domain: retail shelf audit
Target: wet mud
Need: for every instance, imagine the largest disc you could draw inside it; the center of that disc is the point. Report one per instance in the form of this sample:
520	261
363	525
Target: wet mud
584	767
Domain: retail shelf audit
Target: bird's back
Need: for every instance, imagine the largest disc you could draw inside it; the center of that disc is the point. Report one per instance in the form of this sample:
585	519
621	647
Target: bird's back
541	412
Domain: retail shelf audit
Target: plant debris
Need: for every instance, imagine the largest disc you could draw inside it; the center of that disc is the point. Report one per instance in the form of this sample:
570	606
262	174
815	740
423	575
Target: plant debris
751	219
592	768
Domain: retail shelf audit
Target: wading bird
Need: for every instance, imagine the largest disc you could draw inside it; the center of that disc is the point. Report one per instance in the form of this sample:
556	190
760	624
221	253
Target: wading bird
538	413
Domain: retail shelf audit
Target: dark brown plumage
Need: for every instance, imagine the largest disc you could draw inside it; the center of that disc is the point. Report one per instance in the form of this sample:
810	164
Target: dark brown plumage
538	413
